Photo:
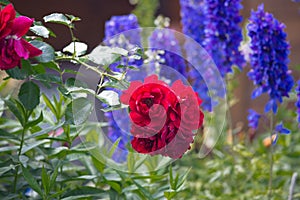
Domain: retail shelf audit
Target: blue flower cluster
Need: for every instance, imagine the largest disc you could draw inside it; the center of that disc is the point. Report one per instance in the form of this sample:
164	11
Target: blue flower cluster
192	20
269	58
121	25
253	119
171	56
223	34
298	101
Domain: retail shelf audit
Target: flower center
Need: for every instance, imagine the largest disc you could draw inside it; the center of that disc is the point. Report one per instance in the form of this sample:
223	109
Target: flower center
148	102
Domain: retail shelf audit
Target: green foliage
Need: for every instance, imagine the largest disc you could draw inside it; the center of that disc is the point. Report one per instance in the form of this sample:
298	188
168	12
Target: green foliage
145	11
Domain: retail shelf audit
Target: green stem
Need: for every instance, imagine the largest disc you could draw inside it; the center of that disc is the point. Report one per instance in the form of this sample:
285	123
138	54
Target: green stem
19	153
228	113
271	158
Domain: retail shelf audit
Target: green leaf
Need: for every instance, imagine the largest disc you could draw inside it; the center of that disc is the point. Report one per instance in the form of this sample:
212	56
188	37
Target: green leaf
3	170
83	193
103	55
32	145
73	18
109	97
57	18
9	148
40	31
45	180
48	51
19	113
52	65
1	106
49	78
31	181
4	2
78	111
114	147
146	193
35	122
80	48
29	95
5	135
20	74
50	105
170	194
44	132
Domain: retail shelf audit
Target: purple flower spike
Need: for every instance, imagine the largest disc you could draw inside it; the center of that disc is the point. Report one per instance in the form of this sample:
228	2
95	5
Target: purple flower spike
269	58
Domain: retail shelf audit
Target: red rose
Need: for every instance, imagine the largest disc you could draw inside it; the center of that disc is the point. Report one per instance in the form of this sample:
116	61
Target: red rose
7	15
163	118
12	46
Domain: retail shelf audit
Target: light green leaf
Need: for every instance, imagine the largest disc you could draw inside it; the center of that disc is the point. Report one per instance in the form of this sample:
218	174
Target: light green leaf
32	145
8	148
103	55
109	97
80	48
31	181
29	95
48	51
45	180
57	18
84	193
40	31
1	107
78	111
36	121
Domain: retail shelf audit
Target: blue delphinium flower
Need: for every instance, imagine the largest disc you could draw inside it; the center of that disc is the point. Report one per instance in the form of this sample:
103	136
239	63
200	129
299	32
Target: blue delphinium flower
253	119
192	20
123	31
164	40
269	58
223	34
298	101
119	25
280	129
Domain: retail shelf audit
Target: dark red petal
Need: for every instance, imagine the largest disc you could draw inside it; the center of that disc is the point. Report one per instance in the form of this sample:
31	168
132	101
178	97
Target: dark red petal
33	51
21	26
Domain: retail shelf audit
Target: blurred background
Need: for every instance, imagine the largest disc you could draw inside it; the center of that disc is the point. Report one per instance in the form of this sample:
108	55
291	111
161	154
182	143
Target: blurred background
94	13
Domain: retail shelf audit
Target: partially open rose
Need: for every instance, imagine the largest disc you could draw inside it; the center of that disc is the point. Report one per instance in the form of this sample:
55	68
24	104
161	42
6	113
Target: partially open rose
12	46
163	118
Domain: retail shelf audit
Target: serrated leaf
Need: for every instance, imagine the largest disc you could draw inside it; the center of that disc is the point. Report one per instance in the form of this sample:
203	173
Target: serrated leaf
103	55
40	31
49	78
21	74
80	48
29	95
48	51
31	181
109	97
58	18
